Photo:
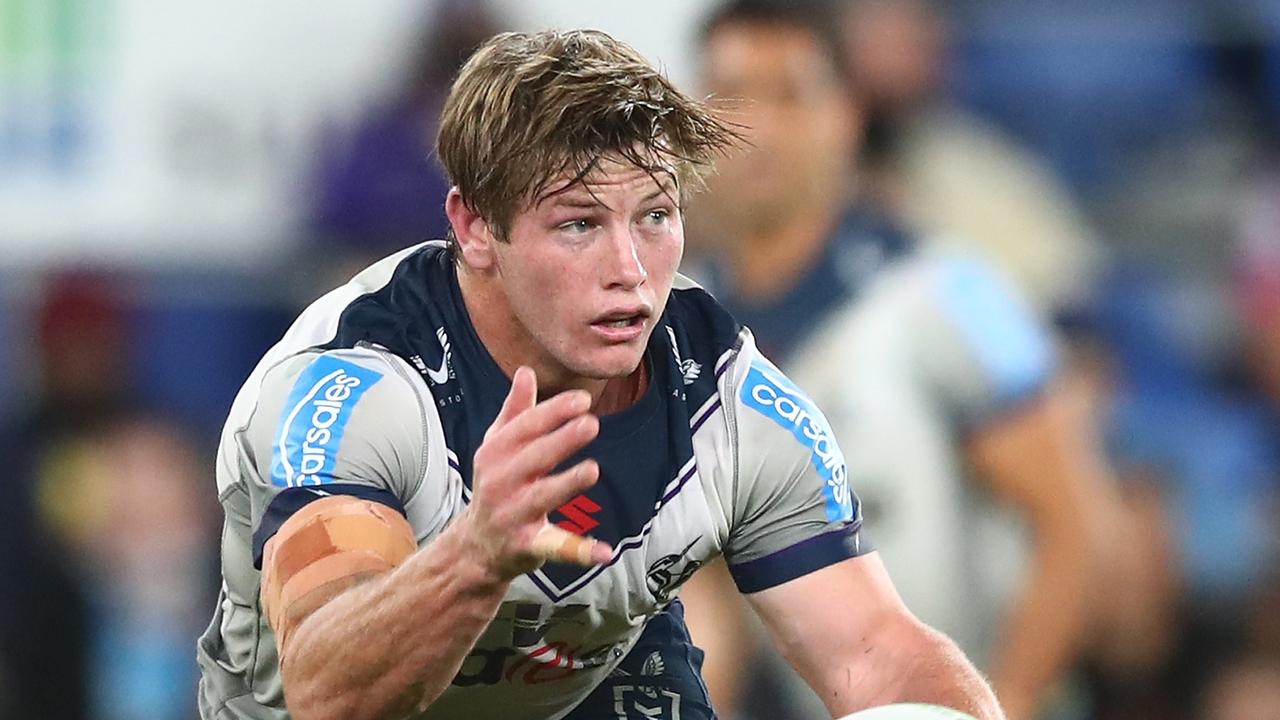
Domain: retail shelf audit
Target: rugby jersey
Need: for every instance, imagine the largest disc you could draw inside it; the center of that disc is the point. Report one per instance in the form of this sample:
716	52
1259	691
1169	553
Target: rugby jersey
383	390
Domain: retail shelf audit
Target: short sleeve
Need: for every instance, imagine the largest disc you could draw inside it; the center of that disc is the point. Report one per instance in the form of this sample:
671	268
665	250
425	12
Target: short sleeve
982	350
793	509
341	422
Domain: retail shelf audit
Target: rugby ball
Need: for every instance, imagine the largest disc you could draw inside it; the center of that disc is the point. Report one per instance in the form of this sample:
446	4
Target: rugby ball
908	711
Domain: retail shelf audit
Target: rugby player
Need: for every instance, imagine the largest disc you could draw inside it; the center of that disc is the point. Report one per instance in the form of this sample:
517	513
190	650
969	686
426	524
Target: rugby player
469	483
981	483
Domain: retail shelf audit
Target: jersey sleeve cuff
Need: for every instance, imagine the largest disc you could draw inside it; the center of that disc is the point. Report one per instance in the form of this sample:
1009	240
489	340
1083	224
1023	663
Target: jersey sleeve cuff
1002	406
293	499
800	559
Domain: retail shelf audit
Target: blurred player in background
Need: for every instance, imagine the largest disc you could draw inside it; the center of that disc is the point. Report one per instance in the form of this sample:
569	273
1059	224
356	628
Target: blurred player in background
409	475
945	171
981	483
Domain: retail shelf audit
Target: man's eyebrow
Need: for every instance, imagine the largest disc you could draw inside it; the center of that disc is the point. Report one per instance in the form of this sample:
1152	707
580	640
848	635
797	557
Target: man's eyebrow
666	188
573	195
668	184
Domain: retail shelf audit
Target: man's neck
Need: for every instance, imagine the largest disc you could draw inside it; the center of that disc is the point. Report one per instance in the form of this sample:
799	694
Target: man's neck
767	262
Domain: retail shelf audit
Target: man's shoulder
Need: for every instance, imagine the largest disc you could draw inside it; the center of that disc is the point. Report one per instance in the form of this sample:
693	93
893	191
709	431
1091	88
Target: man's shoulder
893	299
327	322
309	399
410	286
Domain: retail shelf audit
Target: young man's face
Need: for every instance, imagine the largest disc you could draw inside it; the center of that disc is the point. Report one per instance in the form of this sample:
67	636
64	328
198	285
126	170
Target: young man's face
587	271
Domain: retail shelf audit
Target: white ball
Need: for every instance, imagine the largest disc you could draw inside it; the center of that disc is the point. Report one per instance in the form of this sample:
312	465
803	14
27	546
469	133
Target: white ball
908	711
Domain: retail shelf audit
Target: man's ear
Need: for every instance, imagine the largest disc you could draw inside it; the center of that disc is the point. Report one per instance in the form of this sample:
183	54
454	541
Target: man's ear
475	238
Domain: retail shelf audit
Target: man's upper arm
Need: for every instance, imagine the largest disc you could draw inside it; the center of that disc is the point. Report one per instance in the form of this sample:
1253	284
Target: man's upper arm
344	422
338	447
993	362
1037	459
792	510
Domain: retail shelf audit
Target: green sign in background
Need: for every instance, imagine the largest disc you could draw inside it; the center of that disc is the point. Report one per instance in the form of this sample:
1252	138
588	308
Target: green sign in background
52	56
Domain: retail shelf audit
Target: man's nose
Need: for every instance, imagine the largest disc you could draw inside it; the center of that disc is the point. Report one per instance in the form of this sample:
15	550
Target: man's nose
623	266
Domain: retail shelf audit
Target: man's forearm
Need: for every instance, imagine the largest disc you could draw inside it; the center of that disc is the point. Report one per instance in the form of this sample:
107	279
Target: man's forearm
941	674
908	661
1044	627
1049	465
392	645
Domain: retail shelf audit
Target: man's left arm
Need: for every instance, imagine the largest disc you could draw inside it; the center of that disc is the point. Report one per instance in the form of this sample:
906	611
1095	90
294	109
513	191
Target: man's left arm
1028	437
1043	460
849	635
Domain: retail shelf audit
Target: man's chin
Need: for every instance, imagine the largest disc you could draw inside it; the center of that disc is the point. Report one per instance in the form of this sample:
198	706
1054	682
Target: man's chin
610	365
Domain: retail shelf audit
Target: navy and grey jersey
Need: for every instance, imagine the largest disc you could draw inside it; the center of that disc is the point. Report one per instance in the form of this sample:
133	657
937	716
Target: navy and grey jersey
381	389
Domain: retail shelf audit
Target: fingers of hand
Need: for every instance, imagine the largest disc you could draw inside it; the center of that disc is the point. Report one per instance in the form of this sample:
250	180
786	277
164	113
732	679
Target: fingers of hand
555	490
522	417
508	459
557	544
546	416
513	492
540	455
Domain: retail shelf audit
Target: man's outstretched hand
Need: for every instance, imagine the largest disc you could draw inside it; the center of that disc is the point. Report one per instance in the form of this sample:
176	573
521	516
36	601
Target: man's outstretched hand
514	489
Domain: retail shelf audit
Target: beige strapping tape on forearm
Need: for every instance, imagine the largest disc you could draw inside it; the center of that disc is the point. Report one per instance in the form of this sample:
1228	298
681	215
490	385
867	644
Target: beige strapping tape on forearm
325	548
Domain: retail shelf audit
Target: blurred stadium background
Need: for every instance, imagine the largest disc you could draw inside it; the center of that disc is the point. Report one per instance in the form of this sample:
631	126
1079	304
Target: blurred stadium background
177	179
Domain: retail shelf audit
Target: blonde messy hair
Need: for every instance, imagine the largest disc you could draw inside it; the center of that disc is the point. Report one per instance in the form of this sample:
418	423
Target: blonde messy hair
527	108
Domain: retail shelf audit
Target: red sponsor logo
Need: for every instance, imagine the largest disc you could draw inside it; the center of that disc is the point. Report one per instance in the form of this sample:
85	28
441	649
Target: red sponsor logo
578	513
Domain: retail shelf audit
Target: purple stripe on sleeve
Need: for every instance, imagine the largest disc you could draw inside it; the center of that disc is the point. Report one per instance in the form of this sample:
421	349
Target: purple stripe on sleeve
800	559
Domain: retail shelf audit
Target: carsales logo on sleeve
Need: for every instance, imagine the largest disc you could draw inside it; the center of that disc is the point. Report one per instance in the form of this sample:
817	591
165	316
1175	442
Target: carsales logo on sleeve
315	417
771	394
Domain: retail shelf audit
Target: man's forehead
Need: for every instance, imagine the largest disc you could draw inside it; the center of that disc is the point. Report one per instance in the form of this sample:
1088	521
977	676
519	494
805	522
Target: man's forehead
610	175
737	52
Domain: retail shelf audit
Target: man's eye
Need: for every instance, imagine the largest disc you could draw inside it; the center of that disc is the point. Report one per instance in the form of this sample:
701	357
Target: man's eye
657	217
576	226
